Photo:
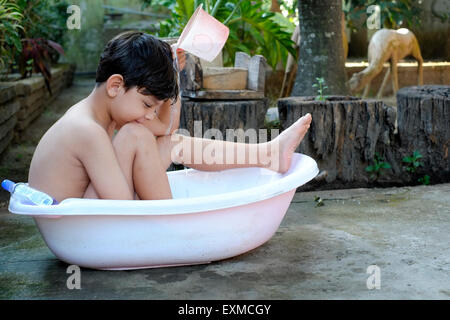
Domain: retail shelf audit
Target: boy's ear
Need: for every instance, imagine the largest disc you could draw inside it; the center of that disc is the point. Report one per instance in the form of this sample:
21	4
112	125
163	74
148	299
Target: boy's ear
114	85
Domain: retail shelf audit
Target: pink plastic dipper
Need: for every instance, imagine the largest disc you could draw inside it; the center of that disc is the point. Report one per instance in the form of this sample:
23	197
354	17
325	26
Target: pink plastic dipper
204	36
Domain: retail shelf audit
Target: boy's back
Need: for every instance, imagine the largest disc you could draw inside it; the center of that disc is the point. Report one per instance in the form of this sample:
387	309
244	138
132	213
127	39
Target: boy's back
56	167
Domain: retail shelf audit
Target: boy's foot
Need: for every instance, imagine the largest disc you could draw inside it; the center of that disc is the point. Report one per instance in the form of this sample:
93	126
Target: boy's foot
288	141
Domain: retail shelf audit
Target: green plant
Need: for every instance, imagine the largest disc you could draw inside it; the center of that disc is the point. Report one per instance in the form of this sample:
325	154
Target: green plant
425	180
10	26
378	165
412	163
44	18
29	67
37	50
321	85
43	23
319	201
268	125
252	29
291	7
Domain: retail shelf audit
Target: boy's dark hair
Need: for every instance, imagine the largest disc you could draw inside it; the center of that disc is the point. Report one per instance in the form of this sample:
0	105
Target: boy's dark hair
143	61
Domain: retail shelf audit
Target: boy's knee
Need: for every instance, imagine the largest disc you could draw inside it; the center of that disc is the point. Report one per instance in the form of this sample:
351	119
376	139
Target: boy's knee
137	132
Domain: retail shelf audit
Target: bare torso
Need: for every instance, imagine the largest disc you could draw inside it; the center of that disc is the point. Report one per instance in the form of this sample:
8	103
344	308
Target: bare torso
55	168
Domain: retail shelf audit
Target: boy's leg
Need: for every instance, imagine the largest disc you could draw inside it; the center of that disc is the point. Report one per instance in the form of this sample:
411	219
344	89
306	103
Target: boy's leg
137	151
199	153
144	159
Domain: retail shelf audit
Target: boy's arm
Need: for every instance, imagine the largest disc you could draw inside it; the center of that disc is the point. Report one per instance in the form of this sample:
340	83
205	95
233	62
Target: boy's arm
159	126
96	153
168	117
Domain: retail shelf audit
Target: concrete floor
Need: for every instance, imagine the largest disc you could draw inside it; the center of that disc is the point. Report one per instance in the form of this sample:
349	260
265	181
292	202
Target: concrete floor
317	253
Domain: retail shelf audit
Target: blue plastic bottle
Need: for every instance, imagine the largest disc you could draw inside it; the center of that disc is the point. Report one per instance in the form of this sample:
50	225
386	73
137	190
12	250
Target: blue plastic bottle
27	194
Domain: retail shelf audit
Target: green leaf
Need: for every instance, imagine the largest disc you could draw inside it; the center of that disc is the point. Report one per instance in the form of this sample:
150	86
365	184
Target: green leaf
407	159
385	165
425	179
185	9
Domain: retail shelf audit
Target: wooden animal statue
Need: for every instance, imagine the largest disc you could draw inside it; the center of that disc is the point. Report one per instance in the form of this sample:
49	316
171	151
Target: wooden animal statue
291	64
387	45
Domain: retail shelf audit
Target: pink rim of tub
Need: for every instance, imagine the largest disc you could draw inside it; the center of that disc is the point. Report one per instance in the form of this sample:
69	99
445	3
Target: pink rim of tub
204	221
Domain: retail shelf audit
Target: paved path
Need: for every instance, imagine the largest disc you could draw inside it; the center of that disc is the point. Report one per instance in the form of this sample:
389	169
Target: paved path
317	253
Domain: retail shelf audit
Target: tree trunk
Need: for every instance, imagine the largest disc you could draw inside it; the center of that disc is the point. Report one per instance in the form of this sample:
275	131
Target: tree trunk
344	135
423	126
223	115
321	49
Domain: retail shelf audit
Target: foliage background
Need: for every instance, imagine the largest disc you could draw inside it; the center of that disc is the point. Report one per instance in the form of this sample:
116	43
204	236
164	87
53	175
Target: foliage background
253	28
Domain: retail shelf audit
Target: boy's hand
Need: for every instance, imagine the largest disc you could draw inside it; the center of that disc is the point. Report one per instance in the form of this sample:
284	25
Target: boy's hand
181	57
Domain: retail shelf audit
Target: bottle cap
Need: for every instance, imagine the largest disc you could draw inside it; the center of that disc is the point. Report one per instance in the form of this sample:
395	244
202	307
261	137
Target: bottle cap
8	185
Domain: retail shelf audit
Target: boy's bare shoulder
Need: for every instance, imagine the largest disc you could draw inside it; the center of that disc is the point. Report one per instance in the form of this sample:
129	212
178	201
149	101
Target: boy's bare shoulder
89	133
82	131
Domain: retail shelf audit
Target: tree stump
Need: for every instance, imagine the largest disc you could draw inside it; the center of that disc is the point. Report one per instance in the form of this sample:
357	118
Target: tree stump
424	125
223	115
199	116
343	137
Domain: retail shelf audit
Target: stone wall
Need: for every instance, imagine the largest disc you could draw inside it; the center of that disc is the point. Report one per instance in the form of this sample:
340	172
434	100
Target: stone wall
22	101
97	28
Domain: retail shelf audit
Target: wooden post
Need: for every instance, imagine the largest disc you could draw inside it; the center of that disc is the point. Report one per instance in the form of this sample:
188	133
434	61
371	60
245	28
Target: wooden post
191	78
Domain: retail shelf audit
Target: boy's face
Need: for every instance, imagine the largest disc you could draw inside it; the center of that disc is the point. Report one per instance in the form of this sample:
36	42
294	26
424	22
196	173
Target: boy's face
132	106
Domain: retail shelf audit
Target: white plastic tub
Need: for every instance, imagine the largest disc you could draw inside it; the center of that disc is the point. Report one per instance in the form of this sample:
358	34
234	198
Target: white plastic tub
212	216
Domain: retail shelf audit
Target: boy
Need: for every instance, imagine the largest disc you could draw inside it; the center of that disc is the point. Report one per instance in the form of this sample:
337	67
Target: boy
136	83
